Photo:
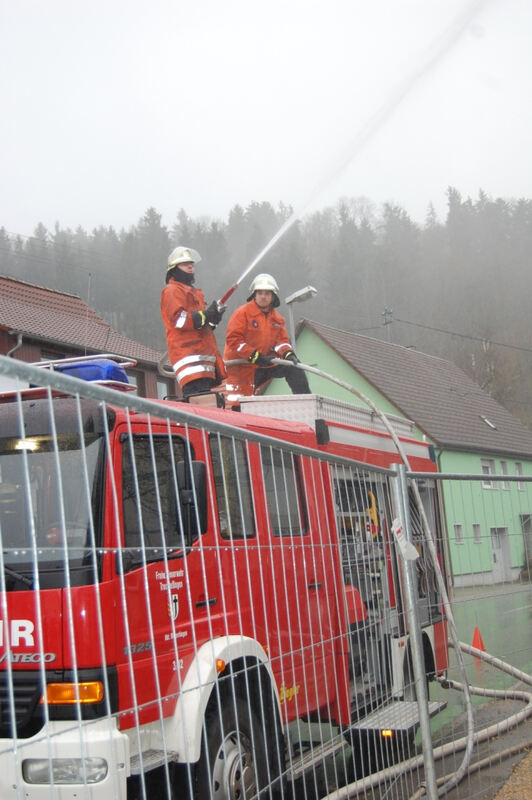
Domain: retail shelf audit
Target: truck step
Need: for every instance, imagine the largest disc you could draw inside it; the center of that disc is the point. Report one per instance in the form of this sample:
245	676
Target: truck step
296	767
151	759
401	715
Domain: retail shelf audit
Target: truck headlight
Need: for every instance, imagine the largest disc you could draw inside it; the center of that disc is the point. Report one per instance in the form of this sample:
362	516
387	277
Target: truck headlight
64	770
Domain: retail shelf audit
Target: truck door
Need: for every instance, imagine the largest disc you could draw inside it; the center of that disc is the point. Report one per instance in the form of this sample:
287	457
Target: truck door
170	587
240	554
299	589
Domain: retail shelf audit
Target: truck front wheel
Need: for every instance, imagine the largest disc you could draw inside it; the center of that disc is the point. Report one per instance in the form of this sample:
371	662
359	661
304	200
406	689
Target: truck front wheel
234	762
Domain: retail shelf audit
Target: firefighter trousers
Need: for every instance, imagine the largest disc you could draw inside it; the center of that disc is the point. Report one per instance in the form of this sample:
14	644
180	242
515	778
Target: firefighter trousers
295	378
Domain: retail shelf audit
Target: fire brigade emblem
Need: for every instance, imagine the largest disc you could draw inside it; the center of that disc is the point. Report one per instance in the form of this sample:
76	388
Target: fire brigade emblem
173	607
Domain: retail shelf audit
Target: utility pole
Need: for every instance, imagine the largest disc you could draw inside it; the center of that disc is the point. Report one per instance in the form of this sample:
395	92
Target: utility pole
387	320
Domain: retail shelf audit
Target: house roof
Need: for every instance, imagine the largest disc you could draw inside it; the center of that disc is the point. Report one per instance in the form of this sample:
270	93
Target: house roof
65	319
438	396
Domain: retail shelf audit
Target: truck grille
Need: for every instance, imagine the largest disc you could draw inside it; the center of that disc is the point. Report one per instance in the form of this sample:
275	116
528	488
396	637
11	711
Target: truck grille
27	693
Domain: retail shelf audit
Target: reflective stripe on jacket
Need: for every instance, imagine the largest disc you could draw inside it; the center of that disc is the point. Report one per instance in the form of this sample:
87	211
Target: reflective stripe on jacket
192	351
250	329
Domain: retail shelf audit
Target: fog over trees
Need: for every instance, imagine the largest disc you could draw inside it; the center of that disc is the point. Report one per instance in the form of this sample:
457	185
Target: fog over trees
456	288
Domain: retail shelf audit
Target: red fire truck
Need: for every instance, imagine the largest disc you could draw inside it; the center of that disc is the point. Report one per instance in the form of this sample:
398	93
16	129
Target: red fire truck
189	587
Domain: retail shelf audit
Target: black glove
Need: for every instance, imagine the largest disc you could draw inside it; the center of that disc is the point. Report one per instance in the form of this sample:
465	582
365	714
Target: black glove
260	360
213	314
291	356
198	319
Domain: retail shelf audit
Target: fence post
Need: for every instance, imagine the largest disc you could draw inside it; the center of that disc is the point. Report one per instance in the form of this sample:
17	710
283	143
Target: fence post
400	487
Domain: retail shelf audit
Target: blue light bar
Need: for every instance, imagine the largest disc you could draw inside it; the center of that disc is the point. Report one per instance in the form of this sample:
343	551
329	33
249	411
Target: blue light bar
98	369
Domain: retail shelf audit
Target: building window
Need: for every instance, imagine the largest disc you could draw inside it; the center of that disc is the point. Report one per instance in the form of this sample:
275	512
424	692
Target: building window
488	468
504	471
163	389
477	533
519	471
51	355
498	536
458	534
136	378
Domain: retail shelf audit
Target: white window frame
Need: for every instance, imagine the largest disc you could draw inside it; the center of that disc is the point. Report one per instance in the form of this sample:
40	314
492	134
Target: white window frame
477	533
504	471
487	466
137	378
458	533
519	471
163	388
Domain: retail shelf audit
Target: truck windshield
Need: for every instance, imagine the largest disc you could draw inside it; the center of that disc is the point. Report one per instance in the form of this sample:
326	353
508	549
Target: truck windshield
49	489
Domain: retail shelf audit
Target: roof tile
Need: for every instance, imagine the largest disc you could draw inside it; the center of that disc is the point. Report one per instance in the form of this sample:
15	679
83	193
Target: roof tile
438	396
65	318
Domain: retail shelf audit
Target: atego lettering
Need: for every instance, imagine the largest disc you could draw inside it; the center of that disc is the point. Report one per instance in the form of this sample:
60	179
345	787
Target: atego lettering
28	658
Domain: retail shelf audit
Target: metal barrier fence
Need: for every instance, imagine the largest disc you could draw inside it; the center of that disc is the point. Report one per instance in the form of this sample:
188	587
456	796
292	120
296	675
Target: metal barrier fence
192	608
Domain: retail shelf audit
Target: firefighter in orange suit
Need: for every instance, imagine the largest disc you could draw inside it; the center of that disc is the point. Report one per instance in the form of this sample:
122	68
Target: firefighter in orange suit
190	325
257	333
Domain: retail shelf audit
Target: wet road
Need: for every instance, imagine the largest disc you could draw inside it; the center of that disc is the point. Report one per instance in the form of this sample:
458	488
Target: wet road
503	616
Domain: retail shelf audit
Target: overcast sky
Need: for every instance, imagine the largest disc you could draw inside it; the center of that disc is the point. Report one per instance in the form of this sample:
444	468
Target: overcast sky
112	106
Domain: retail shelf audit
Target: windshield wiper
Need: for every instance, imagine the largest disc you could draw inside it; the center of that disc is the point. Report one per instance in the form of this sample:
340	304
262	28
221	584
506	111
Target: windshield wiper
18	576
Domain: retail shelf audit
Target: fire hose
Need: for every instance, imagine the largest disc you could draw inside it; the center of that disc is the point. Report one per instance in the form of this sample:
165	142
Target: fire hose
454	779
163	368
467	742
364	784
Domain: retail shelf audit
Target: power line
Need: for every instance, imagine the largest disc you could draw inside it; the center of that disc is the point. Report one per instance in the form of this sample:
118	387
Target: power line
53	247
41	259
464	335
364	330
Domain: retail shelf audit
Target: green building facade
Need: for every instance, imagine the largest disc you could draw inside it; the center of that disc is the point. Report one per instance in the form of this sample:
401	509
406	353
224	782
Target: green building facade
488	521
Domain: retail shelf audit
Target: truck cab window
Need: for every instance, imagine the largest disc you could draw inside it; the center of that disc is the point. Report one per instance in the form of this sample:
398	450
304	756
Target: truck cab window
233	487
150	494
57	506
284	496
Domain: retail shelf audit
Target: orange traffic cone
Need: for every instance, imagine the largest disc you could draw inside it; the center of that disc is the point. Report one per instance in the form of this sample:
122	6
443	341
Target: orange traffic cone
477	640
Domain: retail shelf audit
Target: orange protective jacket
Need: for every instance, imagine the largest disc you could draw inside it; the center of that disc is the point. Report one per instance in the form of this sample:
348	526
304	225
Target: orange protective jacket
193	352
250	329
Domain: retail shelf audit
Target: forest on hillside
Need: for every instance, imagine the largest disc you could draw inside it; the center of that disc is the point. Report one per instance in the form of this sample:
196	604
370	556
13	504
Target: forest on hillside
456	288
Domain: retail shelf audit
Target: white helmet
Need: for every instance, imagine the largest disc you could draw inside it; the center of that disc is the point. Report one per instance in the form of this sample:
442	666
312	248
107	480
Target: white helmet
182	255
268	284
